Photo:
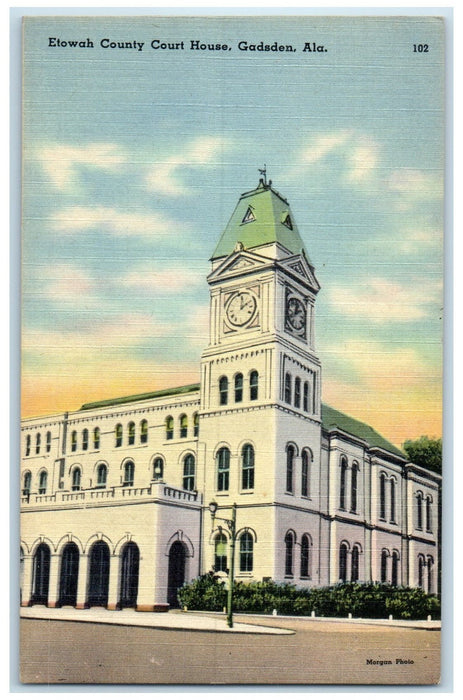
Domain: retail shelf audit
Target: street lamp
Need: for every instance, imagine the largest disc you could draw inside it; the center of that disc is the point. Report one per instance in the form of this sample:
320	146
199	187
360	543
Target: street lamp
213	506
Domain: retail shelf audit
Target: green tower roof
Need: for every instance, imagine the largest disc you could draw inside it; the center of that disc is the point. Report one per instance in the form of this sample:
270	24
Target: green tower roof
332	419
261	216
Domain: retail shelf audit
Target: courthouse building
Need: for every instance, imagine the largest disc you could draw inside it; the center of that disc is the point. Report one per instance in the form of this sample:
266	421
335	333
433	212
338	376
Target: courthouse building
115	495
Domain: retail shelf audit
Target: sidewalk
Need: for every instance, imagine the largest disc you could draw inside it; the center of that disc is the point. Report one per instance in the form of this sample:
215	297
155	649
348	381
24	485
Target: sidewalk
204	621
166	620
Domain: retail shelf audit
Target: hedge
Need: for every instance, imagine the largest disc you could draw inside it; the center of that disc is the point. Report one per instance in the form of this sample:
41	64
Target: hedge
367	600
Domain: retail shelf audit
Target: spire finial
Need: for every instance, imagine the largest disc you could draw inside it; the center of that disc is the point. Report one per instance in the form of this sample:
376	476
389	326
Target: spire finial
263	172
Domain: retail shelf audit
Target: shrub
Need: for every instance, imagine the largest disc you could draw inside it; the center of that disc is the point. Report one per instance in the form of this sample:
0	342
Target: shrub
368	600
206	592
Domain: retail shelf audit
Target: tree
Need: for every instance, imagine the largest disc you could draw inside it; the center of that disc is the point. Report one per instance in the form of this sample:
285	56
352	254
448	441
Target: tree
425	452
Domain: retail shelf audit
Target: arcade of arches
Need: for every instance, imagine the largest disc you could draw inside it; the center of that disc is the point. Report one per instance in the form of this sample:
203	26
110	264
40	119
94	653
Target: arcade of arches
85	580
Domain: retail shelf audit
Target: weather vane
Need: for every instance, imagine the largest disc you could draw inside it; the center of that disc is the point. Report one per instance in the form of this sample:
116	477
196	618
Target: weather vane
263	172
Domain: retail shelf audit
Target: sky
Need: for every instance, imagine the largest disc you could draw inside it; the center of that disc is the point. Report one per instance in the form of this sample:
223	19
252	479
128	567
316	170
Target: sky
133	161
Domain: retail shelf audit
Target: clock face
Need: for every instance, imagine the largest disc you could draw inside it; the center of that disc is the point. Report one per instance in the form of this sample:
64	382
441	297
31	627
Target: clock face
240	309
296	314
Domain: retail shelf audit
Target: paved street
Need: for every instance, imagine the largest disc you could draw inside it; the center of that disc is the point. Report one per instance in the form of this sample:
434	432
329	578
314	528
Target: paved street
55	651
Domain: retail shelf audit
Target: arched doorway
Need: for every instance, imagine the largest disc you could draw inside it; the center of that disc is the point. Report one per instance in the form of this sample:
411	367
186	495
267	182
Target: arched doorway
129	576
176	575
69	575
41	575
21	573
98	584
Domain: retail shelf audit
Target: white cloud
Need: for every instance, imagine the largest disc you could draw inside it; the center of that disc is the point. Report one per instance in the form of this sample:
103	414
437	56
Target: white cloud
118	333
381	367
413	241
62	163
165	177
382	301
362	160
67	283
358	153
114	221
323	144
161	278
412	186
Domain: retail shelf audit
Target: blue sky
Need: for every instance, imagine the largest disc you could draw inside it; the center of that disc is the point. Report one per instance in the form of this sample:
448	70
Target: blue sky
134	160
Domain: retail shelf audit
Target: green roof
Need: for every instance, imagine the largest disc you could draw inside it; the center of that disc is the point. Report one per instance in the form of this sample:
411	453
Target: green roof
189	389
261	216
332	419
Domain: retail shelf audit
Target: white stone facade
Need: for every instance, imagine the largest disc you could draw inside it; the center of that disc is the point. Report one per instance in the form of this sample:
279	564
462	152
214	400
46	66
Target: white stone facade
115	495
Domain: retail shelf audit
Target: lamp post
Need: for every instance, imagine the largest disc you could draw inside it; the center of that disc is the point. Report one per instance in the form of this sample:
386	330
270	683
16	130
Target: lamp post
231	524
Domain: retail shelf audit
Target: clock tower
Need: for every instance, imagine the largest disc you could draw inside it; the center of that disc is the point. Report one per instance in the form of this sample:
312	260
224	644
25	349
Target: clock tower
260	374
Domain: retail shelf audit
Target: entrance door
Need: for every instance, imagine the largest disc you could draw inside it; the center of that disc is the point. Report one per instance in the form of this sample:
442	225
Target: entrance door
98	585
69	575
129	576
176	575
41	573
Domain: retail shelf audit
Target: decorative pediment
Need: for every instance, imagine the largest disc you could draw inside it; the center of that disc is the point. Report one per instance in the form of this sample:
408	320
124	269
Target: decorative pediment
298	266
240	261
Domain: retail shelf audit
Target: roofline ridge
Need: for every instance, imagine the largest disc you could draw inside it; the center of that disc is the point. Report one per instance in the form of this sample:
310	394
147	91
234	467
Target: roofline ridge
264	188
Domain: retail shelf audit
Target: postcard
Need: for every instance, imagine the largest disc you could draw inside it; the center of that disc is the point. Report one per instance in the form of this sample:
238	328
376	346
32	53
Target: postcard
232	290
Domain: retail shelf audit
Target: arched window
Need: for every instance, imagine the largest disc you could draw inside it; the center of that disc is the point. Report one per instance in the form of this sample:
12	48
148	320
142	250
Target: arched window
305	397
38	439
305	473
382	496
430	564
131	431
48	442
195	424
354	487
254	385
27	484
96	438
395	569
354	574
169	428
428	514
342	484
129	474
144	432
220	552
158	468
287	387
384	558
118	433
289	554
85	439
290	455
41	574
43	479
297	392
76	474
247	467
130	564
189	473
343	562
392	504
238	388
305	556
223	391
246	552
101	476
419	511
421	565
223	469
74	441
28	445
183	426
